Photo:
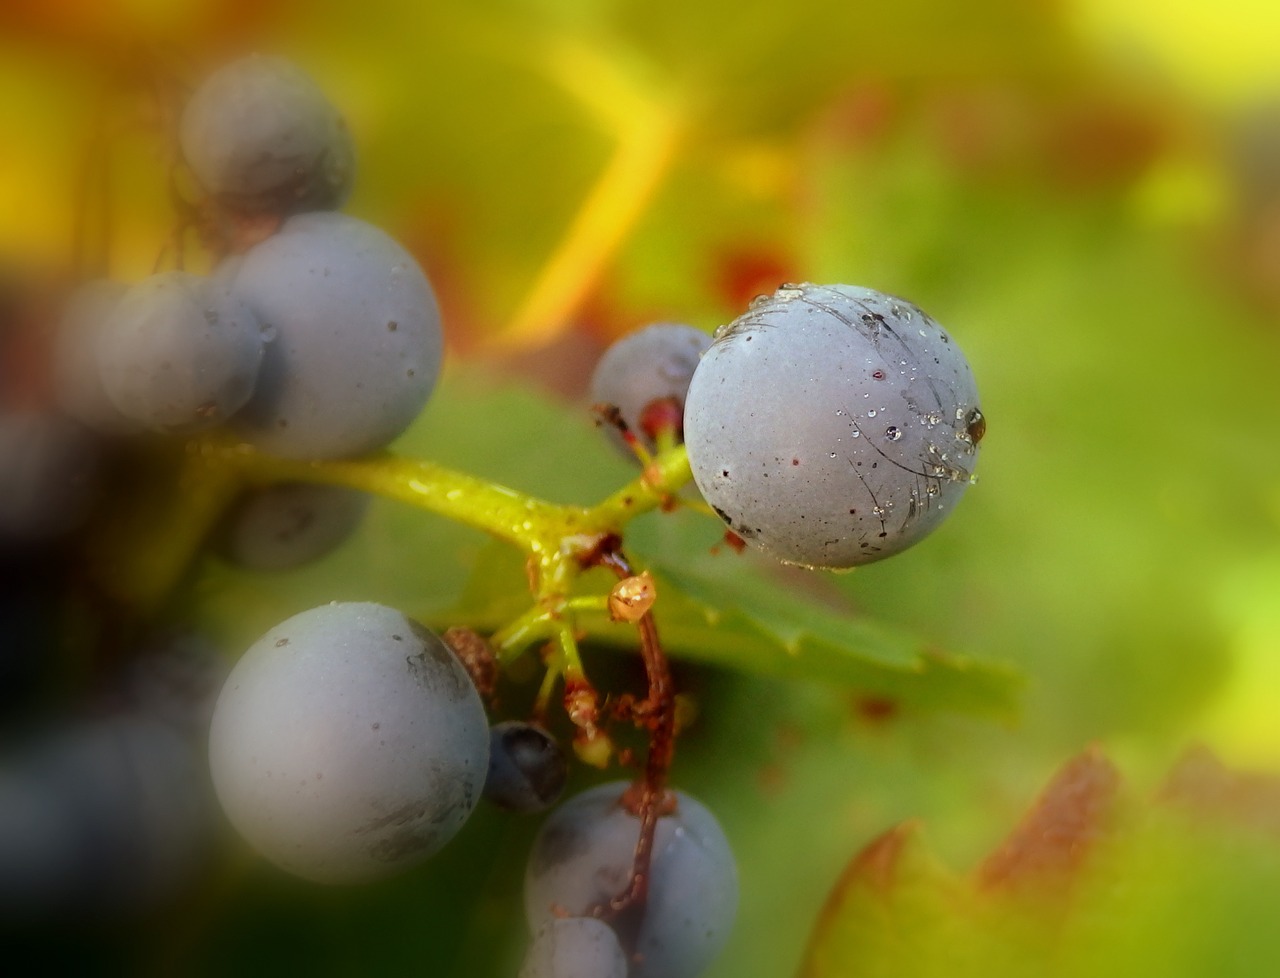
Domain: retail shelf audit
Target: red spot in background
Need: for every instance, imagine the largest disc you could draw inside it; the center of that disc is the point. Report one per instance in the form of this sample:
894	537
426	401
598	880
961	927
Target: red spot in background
741	275
875	709
863	115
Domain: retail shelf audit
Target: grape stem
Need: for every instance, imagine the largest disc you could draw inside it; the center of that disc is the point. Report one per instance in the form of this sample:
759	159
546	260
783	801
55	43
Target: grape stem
656	713
556	537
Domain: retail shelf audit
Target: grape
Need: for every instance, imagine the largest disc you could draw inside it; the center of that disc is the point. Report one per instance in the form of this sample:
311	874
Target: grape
833	425
175	679
583	856
289	525
77	378
260	135
358	342
575	947
121	815
38	868
348	743
653	363
179	353
48	469
527	768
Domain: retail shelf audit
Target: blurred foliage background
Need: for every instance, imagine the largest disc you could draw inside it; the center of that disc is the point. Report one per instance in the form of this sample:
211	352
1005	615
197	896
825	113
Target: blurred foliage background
1085	192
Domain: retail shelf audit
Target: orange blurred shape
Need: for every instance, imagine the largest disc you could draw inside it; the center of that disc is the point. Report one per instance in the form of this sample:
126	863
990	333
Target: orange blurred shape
1056	837
743	274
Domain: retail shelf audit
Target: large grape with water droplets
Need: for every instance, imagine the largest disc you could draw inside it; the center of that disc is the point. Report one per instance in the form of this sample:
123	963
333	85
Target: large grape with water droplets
833	425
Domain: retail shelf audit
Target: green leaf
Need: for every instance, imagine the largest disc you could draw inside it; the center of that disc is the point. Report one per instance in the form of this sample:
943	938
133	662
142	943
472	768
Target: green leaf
727	612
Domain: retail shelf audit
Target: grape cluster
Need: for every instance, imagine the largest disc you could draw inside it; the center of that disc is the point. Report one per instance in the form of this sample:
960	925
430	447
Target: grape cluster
829	425
582	859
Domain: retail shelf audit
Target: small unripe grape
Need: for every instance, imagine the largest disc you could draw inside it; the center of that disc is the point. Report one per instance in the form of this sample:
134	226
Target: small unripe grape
833	425
348	744
527	768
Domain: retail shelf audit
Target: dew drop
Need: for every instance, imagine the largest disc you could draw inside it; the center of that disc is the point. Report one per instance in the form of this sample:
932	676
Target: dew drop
893	433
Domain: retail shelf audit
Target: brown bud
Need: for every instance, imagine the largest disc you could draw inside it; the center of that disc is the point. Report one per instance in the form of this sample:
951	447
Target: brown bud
632	598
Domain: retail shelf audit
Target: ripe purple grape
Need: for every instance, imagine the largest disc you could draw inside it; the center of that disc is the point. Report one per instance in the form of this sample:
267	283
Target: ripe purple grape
357	345
833	425
179	352
288	525
648	365
583	858
260	135
575	947
348	744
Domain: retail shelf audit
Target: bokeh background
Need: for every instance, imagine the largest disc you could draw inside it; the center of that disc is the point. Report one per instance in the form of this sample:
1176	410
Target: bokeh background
1085	192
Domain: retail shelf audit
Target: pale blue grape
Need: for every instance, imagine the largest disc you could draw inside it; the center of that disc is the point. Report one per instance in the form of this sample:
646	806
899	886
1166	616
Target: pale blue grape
833	425
260	135
583	857
358	343
288	525
348	744
575	947
650	364
179	352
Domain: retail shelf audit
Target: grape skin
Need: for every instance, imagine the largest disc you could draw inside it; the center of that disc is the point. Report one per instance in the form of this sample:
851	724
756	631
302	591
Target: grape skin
358	343
527	768
348	743
647	365
575	947
260	135
583	856
288	525
179	353
832	425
